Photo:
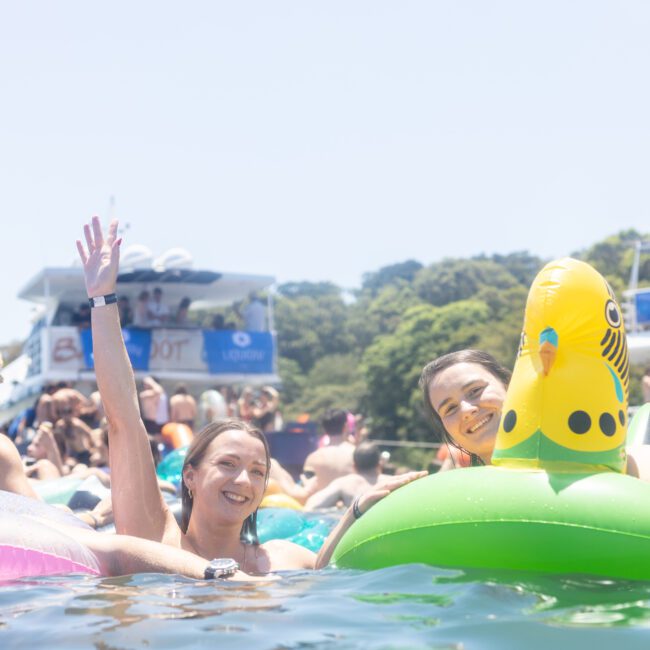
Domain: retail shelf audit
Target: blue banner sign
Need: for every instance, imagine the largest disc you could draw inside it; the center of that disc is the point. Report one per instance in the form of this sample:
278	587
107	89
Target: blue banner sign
138	347
229	352
642	307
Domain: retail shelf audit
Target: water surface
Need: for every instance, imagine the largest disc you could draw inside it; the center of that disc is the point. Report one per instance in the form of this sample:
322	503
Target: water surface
400	607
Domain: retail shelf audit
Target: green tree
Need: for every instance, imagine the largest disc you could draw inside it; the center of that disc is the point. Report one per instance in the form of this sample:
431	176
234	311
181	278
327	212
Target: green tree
374	314
393	362
613	258
310	328
403	272
334	382
456	279
521	265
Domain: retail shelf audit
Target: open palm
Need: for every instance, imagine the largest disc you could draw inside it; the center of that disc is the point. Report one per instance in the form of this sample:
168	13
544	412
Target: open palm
101	258
377	494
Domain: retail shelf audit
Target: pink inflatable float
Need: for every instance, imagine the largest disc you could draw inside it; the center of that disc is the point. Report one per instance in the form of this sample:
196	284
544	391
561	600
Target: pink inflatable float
29	547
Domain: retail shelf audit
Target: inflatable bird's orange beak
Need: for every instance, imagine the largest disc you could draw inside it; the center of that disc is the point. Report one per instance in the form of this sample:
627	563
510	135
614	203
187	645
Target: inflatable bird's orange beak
548	344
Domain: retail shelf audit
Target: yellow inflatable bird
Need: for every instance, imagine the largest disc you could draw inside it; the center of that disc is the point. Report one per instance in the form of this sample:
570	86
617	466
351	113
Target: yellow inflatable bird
566	407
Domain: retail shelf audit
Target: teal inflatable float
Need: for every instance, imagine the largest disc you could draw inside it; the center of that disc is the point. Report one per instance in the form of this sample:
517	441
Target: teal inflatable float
556	499
170	467
306	529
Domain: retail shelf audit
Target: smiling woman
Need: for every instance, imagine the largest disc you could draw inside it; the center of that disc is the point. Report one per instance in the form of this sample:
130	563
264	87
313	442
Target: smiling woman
464	392
226	468
215	459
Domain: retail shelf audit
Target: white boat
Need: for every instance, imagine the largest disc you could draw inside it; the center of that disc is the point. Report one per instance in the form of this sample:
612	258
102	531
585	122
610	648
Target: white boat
636	307
56	350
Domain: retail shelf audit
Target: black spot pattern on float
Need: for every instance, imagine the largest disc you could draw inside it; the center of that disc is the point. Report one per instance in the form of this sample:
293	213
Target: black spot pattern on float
621	418
579	422
607	424
510	421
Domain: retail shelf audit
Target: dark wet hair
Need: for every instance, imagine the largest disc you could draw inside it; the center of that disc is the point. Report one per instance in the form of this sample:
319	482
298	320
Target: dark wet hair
195	455
435	367
366	456
334	421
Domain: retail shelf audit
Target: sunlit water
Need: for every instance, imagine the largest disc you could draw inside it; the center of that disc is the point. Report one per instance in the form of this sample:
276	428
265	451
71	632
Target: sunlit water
401	607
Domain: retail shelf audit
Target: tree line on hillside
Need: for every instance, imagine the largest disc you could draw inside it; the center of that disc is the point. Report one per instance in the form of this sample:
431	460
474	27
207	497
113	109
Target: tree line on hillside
366	354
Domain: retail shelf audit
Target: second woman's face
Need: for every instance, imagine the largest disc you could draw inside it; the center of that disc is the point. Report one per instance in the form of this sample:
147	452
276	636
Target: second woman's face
230	480
468	399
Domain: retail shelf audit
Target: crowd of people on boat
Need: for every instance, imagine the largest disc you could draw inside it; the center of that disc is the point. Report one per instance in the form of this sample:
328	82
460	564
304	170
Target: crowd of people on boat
228	468
150	310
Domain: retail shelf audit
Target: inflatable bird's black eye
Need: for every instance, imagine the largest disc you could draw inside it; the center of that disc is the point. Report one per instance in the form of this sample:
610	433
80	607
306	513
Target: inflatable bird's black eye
613	314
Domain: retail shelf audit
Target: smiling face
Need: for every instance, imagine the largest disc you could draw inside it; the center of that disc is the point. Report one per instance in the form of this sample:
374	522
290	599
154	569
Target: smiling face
468	399
228	483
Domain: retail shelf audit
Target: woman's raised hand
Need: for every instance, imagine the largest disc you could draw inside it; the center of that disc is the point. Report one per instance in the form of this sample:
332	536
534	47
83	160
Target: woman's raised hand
371	497
101	260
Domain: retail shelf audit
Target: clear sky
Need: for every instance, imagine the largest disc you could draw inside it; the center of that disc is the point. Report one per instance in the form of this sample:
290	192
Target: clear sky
320	140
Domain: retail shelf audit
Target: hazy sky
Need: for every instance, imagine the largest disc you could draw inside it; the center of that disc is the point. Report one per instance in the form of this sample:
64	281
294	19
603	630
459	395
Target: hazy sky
320	140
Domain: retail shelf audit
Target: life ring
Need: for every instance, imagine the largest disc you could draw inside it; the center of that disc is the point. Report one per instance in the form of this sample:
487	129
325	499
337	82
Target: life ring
273	487
29	547
493	518
170	467
556	500
638	433
280	500
306	529
176	434
58	490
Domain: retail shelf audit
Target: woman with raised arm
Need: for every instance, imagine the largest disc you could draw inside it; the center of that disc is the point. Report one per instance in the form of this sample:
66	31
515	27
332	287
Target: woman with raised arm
227	465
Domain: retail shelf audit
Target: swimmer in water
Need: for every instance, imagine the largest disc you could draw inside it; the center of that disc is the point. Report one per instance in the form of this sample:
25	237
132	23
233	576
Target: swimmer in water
226	468
464	393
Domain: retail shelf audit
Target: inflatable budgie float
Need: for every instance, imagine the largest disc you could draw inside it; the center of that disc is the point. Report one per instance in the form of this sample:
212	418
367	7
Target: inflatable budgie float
556	499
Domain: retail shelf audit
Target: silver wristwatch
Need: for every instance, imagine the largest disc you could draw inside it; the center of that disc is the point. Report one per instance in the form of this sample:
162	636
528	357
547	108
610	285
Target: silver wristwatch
221	567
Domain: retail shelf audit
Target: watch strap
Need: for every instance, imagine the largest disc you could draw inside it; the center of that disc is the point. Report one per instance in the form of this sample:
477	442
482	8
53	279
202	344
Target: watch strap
101	301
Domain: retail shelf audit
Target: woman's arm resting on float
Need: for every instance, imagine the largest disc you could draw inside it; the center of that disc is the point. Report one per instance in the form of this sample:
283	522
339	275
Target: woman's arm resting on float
137	503
123	555
12	474
365	503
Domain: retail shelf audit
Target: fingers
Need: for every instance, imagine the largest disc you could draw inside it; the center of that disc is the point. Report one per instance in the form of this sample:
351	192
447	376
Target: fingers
398	481
89	238
97	231
112	231
115	250
82	253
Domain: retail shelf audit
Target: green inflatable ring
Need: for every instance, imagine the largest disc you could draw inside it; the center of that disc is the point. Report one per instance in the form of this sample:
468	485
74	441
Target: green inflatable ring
494	518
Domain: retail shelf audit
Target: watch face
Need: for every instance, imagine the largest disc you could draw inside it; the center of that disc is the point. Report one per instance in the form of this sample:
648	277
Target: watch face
221	567
224	564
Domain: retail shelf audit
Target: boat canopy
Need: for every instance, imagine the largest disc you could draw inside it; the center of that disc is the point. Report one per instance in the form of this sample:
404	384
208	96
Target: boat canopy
204	288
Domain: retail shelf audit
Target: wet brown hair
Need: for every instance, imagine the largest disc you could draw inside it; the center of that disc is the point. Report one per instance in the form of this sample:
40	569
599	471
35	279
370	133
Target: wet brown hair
196	453
435	367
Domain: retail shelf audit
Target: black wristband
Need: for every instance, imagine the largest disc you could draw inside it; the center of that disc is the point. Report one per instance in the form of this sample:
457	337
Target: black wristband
100	301
356	511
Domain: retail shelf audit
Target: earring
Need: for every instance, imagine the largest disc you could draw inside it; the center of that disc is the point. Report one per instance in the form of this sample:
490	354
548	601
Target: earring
190	493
